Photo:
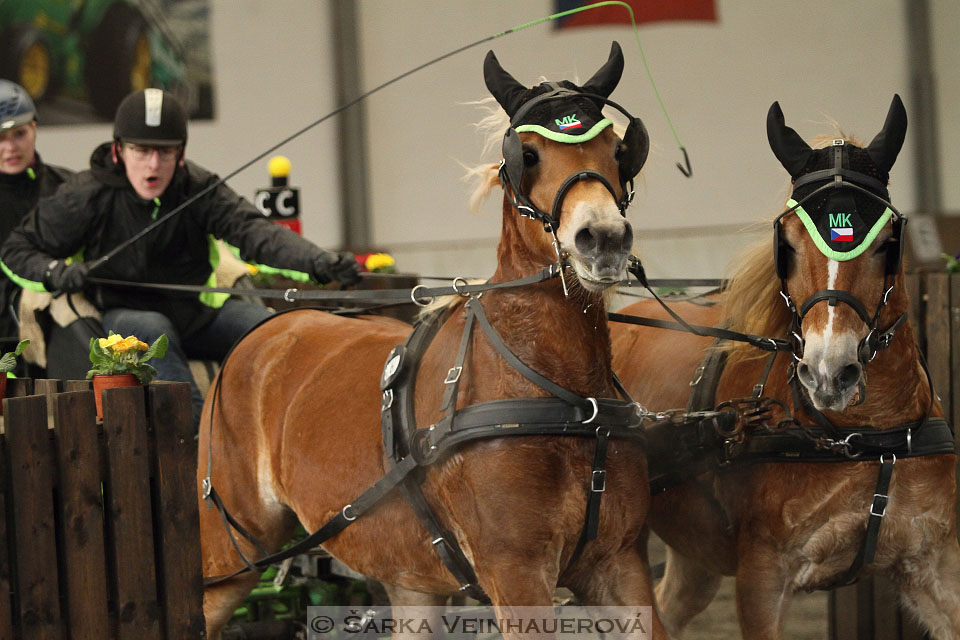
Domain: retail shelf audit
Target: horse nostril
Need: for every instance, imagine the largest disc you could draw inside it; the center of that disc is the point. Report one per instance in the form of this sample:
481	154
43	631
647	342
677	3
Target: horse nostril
627	243
585	241
848	376
806	377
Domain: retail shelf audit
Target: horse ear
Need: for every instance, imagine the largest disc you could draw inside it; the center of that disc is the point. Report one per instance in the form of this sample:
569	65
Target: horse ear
605	80
787	145
503	86
884	148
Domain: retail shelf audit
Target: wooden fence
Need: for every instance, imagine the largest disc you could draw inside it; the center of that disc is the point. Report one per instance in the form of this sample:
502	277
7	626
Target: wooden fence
869	610
99	536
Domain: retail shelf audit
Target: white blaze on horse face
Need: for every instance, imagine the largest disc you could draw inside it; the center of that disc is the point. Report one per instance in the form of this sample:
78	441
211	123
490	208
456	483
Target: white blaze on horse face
597	238
830	366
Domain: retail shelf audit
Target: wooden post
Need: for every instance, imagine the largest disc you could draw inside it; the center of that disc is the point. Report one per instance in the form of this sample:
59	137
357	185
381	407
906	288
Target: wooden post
171	418
125	433
6	551
32	477
82	515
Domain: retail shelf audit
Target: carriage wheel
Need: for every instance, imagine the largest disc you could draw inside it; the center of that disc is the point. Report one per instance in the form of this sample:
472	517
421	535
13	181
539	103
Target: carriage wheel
119	61
26	61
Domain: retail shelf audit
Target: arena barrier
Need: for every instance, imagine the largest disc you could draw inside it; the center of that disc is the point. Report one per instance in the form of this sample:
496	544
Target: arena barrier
99	536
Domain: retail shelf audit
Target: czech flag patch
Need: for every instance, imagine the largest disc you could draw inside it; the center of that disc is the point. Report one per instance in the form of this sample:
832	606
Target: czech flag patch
841	234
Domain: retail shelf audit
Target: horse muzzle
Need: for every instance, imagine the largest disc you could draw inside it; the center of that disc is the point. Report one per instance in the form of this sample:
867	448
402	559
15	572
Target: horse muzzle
832	379
599	252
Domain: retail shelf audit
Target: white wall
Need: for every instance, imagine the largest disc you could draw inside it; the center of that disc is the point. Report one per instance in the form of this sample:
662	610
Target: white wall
821	59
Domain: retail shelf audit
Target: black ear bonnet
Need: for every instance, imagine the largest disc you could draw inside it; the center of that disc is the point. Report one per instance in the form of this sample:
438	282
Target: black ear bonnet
564	112
840	191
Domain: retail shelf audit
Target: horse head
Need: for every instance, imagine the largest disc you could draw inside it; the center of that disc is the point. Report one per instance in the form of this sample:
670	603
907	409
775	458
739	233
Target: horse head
838	253
565	167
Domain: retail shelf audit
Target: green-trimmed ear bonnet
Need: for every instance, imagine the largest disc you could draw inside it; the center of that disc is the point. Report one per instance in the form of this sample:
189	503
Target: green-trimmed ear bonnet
840	192
566	113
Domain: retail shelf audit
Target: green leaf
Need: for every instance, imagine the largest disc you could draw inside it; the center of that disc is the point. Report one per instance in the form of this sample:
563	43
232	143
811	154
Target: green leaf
157	350
20	347
7	362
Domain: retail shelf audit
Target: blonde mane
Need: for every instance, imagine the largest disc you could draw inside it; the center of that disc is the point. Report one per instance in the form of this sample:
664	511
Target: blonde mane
484	177
751	301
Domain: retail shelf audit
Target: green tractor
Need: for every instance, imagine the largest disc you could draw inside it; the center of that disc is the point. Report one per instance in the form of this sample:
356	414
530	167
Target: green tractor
93	50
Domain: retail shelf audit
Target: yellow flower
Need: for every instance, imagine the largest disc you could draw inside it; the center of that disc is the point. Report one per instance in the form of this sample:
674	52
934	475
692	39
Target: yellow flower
142	346
109	342
378	261
130	342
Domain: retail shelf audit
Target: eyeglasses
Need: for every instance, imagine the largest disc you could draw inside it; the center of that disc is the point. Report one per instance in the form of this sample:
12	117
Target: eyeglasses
140	152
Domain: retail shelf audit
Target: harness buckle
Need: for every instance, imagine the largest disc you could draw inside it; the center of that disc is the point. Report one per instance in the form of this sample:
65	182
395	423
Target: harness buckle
347	517
598	481
596	410
884	341
453	375
387	400
697	377
909	441
758	390
879	503
288	295
207	485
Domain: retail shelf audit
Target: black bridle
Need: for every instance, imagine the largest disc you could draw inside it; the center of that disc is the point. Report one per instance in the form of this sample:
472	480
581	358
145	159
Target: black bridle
839	177
511	167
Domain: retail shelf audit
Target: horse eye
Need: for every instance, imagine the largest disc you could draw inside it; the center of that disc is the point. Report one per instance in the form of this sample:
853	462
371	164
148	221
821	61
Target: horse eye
619	151
530	157
884	246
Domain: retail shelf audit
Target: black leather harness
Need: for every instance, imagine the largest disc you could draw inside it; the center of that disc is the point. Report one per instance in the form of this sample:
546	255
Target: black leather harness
408	451
684	453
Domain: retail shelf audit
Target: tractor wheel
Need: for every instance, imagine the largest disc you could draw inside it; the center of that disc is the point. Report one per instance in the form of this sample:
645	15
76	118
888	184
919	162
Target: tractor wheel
119	61
25	59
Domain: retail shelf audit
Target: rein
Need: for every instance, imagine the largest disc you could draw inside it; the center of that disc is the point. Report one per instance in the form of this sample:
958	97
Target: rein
408	451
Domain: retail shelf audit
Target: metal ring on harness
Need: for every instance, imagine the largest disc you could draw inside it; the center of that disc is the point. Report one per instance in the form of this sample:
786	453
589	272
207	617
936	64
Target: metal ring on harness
344	513
465	283
596	410
286	295
413	296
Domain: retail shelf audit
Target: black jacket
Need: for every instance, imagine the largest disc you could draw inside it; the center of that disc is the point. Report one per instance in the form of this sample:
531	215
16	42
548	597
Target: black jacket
19	193
99	210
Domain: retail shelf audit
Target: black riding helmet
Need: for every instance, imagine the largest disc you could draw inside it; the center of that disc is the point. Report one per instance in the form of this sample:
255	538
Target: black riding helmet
151	117
16	107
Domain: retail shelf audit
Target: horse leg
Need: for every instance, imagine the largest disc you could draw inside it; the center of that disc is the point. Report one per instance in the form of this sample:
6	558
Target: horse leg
220	601
763	593
685	590
931	590
622	580
406	604
274	527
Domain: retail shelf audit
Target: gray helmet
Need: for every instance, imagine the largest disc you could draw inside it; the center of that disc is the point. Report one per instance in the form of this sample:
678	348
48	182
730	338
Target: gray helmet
16	107
151	117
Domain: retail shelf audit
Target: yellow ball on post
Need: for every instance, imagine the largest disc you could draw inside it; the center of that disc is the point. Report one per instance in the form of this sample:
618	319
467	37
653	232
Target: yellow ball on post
279	167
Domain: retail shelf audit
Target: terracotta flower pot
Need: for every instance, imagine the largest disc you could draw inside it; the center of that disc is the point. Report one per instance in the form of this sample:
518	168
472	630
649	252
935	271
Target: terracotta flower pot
109	382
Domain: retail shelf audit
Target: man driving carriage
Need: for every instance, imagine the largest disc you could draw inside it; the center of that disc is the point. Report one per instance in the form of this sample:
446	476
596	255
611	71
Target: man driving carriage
140	177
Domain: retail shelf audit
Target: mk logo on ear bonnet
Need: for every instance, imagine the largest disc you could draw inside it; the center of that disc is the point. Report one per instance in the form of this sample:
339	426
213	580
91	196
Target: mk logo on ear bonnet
567	113
840	192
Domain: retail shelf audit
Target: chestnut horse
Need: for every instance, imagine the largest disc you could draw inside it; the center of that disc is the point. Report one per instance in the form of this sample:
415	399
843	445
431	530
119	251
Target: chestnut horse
296	424
781	526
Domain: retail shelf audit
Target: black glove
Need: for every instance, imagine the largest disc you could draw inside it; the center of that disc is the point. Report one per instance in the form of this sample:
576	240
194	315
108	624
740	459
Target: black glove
65	278
341	267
